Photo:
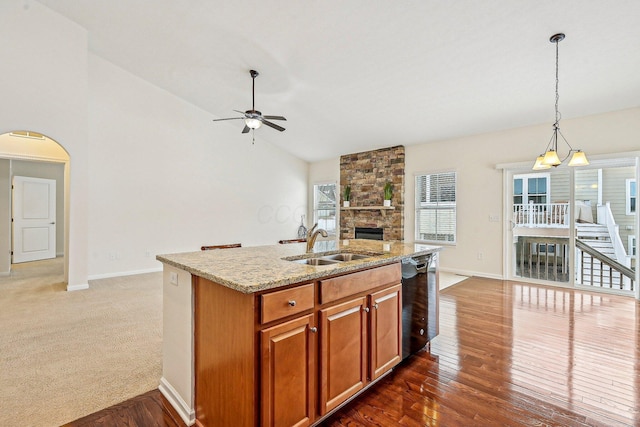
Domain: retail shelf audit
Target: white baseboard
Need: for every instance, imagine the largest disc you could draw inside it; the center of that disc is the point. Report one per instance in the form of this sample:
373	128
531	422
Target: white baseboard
79	287
187	414
472	273
124	273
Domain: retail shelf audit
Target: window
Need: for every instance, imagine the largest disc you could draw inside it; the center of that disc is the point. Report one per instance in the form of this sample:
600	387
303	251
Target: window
632	196
436	207
324	207
530	189
632	247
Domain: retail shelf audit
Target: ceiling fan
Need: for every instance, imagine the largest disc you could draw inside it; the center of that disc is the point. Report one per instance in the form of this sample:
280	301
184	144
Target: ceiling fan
253	118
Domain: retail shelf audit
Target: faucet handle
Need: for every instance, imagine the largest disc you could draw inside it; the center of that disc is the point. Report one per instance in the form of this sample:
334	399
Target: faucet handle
312	229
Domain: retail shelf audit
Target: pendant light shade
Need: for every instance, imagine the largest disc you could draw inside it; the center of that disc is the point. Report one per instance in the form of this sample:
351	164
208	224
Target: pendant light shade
578	159
539	165
551	157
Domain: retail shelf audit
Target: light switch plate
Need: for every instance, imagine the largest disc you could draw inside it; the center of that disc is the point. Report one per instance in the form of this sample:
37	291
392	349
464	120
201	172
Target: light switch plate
173	278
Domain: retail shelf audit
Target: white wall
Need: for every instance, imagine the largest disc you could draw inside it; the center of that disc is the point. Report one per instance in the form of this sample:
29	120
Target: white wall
44	89
480	184
164	178
149	173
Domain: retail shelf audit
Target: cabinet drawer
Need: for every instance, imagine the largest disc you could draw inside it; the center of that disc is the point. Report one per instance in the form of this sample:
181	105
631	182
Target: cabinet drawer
350	284
276	305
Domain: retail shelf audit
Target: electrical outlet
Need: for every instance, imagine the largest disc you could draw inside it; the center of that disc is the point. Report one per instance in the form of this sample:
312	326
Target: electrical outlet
173	278
480	256
494	218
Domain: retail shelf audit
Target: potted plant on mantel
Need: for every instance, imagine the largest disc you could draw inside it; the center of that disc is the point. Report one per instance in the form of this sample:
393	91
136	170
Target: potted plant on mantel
388	192
346	196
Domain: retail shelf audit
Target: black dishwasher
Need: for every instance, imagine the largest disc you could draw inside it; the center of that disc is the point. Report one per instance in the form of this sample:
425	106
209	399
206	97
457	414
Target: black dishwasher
419	302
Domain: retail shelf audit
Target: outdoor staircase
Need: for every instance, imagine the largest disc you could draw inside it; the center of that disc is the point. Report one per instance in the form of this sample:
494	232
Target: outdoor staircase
597	236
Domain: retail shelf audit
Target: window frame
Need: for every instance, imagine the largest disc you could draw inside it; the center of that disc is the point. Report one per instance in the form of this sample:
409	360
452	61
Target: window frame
629	196
315	208
437	206
525	188
632	246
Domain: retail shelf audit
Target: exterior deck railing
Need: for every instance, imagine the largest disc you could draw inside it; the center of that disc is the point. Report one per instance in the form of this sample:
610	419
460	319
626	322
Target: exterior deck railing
551	215
596	269
543	258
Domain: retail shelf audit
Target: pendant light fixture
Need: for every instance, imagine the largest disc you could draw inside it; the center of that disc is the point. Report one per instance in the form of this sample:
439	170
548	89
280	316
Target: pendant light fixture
550	157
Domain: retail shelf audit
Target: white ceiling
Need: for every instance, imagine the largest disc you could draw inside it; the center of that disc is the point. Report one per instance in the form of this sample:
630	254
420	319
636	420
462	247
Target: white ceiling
355	75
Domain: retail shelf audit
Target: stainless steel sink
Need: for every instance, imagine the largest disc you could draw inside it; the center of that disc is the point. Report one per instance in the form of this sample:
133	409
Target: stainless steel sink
345	257
315	261
329	259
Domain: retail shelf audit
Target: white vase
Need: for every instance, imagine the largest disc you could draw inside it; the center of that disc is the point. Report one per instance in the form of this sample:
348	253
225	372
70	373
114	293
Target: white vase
346	203
387	203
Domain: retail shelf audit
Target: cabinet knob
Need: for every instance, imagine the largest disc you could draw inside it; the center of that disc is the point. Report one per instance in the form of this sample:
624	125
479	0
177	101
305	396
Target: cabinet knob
313	329
366	309
292	303
375	306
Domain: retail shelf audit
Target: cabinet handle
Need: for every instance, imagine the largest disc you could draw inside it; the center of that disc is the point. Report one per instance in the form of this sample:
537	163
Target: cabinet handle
375	306
313	329
292	303
366	309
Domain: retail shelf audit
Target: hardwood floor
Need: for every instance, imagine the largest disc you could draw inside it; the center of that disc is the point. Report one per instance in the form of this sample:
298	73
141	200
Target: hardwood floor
147	410
508	354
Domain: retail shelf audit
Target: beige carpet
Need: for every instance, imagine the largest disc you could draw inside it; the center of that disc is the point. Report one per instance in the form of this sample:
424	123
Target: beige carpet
64	355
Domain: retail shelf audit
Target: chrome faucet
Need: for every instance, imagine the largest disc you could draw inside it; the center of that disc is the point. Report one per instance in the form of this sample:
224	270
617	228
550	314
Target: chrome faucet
313	235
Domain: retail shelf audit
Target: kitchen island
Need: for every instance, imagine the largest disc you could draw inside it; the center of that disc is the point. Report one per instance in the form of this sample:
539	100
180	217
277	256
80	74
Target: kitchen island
259	336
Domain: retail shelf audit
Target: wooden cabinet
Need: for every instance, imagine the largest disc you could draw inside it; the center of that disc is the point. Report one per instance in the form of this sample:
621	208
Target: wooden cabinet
288	364
343	352
361	340
385	330
290	357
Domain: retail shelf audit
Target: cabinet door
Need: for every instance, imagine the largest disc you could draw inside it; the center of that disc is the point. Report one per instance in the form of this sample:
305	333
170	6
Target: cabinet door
288	373
386	330
343	345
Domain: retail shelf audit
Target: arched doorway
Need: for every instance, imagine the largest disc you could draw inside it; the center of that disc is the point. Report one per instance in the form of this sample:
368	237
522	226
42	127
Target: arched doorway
32	153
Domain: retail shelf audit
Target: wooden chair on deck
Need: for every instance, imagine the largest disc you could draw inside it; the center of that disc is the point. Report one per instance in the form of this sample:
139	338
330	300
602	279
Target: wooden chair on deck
284	242
229	246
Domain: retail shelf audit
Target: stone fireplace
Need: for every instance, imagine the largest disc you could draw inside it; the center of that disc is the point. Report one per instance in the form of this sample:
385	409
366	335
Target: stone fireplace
367	174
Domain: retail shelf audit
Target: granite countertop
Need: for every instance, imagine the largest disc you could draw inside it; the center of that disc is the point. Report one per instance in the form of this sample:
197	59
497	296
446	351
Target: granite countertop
257	268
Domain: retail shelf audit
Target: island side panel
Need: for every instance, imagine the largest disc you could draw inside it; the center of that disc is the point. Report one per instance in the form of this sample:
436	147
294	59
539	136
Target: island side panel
225	356
176	383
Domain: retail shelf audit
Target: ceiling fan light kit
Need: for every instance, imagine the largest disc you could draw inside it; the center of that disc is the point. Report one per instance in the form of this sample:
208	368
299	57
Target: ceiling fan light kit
253	119
550	157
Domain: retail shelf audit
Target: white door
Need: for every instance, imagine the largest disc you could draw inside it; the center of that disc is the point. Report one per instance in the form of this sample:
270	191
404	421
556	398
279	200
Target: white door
34	219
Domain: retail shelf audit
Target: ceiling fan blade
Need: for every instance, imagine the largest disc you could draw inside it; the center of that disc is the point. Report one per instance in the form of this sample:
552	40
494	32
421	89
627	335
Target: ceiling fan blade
273	125
230	118
241	112
246	129
274	117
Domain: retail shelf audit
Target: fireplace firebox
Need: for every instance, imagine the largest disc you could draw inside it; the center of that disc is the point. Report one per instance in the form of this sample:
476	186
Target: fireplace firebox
369	233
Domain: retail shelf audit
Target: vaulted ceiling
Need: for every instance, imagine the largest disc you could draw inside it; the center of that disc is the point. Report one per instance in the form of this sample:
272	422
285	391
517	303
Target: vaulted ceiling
355	75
